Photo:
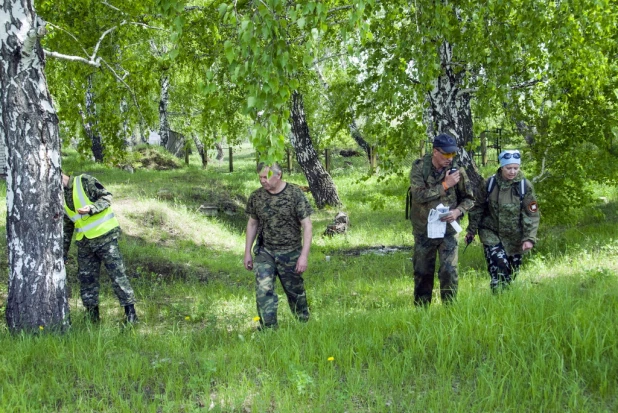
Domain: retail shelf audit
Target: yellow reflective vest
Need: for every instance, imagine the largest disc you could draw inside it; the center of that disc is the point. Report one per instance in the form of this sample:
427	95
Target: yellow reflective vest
91	226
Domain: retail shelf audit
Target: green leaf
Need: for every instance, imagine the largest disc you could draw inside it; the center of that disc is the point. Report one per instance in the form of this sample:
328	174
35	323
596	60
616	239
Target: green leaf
301	22
251	101
222	9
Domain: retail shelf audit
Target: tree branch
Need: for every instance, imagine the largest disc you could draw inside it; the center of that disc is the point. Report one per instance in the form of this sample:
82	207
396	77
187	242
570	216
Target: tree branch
315	62
121	80
540	177
112	7
336	9
56	55
70	35
105	33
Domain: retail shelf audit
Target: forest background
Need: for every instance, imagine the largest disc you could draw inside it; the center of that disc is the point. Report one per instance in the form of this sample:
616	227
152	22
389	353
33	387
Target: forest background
299	78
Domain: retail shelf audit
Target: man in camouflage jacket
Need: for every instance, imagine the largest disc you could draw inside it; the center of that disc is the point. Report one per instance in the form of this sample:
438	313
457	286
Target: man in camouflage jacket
97	241
277	213
506	221
432	183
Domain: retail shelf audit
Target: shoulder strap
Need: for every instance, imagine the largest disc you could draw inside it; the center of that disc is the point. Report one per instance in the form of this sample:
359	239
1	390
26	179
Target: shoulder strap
491	183
426	167
408	202
522	190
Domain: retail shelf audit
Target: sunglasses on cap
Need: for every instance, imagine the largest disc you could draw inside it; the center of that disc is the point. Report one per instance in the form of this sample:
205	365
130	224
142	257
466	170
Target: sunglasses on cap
447	155
509	155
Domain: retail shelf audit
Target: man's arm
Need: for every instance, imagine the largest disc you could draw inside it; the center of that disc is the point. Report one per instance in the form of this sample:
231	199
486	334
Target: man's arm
101	198
421	193
67	233
465	193
303	260
252	228
476	213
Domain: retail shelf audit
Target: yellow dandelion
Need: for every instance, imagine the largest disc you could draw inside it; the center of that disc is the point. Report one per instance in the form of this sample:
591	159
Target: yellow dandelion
256	318
41	328
331	358
187	318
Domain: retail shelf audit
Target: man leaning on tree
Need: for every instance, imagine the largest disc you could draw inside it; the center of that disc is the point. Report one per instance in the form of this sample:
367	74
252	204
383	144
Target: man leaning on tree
435	179
88	213
278	211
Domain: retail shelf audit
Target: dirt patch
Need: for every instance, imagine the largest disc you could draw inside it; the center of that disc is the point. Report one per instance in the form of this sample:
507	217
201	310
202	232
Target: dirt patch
168	271
378	250
150	157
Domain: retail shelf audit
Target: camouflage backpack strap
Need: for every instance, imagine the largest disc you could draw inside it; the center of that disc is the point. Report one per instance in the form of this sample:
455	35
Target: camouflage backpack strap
408	202
426	167
491	184
522	190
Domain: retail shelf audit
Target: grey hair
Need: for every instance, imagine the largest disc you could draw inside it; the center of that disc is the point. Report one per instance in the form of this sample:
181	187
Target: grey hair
274	167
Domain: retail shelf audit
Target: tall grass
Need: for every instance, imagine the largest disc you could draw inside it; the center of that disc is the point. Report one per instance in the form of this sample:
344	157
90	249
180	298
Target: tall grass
546	344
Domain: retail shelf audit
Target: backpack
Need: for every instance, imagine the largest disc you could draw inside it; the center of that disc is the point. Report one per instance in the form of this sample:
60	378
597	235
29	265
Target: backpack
491	184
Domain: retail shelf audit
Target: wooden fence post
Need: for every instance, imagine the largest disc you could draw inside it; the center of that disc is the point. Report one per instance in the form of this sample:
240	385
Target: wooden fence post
327	159
231	159
373	158
289	158
483	148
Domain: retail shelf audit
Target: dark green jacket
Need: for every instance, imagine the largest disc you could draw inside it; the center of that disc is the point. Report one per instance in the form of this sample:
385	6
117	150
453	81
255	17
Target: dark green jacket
428	192
503	218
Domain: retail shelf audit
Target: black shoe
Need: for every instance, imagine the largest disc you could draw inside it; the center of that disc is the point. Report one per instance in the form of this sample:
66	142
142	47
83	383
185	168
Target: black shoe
265	327
93	313
130	315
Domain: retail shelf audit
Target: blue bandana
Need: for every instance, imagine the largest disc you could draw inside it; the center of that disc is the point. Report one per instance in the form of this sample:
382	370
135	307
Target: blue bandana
509	156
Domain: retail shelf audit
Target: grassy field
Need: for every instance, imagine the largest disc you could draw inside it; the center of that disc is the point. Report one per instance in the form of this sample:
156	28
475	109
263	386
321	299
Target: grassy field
547	344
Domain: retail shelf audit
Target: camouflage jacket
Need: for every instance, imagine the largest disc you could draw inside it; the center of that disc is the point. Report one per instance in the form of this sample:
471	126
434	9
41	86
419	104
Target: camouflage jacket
503	218
427	193
101	199
279	217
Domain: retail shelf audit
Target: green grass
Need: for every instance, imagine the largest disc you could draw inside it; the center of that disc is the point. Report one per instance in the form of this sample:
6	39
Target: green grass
547	344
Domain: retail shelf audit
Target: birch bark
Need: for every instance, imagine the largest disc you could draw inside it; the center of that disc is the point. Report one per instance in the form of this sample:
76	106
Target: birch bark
37	289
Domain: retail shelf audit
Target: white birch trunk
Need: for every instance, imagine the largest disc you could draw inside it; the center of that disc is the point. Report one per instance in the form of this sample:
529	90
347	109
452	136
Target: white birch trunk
449	110
37	290
164	126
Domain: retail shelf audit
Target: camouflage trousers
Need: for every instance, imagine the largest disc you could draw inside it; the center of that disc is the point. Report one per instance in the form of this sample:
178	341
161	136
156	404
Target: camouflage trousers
267	266
89	258
425	251
502	268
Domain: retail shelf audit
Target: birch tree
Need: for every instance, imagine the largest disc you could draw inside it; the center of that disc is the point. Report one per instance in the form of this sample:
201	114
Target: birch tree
37	296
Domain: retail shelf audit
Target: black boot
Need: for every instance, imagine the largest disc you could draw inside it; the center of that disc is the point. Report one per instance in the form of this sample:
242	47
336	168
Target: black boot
93	313
130	315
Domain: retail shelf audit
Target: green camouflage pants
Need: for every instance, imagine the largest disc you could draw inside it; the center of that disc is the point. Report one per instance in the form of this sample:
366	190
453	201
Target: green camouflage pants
269	265
425	250
89	258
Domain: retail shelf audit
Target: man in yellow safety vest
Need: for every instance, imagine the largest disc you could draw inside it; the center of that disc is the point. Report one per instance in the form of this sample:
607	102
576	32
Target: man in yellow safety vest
88	213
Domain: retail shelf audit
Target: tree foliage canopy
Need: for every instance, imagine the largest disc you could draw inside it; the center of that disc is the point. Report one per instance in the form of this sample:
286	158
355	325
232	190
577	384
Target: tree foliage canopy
545	70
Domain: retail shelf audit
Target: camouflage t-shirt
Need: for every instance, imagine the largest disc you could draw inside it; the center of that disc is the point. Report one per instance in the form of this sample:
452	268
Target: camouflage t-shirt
279	217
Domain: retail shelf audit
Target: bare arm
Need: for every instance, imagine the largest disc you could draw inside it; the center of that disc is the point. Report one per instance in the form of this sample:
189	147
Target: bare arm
302	263
252	228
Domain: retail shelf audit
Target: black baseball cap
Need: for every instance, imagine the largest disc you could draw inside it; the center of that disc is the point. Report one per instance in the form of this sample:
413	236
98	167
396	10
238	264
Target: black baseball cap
445	142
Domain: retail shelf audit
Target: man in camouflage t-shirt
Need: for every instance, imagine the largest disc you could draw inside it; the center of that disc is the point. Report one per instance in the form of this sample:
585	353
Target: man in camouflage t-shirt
277	213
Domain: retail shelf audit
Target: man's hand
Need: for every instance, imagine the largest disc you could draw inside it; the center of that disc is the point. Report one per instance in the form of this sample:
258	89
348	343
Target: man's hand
452	216
527	245
301	265
469	238
84	210
452	179
248	261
